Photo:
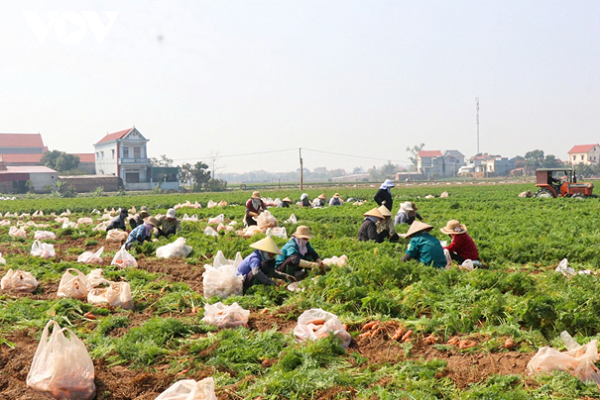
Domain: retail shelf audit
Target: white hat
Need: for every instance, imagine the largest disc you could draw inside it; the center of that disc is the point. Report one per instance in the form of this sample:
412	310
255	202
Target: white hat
388	183
170	213
407	205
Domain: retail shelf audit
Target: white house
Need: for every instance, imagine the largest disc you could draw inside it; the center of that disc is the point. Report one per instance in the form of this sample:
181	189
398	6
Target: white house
430	162
588	154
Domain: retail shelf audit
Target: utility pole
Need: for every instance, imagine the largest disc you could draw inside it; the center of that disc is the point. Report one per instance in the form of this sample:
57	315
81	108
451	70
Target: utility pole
301	169
477	100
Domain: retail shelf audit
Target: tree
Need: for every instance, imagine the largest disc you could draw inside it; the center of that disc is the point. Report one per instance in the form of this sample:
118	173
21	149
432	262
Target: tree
60	161
415	154
197	174
163	161
388	171
213	158
534	158
358	170
519	162
551	162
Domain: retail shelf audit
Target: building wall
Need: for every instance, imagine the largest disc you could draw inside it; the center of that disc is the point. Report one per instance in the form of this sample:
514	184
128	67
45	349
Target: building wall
106	158
21	150
591	157
89	168
41	179
6	187
84	184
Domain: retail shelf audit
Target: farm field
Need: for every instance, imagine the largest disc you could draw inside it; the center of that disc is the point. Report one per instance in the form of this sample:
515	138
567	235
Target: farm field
138	354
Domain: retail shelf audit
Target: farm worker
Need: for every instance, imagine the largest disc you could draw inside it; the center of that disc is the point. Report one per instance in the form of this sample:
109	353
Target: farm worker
462	247
335	200
285	203
119	221
383	197
320	201
554	182
254	207
407	214
423	247
138	219
168	224
297	253
385	226
259	266
368	229
305	201
142	233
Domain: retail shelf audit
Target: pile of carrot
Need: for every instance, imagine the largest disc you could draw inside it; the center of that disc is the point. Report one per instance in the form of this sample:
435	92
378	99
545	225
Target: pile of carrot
462	344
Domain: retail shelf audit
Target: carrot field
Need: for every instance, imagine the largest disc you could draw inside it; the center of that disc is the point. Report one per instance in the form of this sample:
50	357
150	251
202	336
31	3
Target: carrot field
472	333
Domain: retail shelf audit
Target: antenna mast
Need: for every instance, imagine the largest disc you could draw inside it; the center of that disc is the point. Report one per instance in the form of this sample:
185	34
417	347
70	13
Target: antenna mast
477	100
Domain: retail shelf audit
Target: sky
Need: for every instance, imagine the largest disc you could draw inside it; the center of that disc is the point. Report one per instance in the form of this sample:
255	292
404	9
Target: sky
253	81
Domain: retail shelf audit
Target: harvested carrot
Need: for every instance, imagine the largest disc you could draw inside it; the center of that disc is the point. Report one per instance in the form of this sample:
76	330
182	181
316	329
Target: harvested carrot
89	315
509	344
163	289
369	325
453	341
365	335
194	310
466	344
376	332
407	335
317	322
185	371
430	339
264	310
345	327
398	334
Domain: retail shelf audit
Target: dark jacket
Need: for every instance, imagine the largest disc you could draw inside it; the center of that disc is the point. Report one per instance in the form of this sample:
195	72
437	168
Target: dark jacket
368	231
117	222
383	195
283	204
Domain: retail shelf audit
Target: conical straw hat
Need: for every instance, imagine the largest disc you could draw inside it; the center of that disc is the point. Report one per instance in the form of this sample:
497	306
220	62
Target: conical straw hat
287	199
373	213
384	211
415	228
267	244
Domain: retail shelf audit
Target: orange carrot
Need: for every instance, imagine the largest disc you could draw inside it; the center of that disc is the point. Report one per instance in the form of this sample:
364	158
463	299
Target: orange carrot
317	322
369	325
407	335
89	315
264	310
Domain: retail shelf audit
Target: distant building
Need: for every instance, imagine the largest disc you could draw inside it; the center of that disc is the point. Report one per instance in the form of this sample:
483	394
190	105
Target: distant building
22	143
433	163
87	162
14	179
488	165
587	154
21	159
351	178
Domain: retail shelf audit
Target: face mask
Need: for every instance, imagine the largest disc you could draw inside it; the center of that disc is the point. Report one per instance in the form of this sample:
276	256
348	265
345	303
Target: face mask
303	242
266	256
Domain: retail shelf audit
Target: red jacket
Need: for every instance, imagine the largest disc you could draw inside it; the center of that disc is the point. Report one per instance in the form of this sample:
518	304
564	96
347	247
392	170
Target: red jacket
464	246
250	207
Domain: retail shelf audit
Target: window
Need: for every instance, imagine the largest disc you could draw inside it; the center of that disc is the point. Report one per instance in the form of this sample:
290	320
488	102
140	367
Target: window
113	154
125	152
582	157
137	152
574	158
102	154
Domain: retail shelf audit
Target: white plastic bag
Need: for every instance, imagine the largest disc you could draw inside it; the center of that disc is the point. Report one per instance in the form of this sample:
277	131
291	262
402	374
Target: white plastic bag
222	203
118	294
217	220
100	227
341	261
211	204
20	281
193	218
277	232
577	360
45	250
189	389
75	286
176	249
62	368
315	323
95	278
68	212
220	279
68	224
123	259
91	258
251	231
2	260
85	221
43	235
17	232
4	222
223	316
116	235
266	220
291	220
210	232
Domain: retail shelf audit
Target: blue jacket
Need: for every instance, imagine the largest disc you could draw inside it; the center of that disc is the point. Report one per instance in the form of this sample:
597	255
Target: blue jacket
249	263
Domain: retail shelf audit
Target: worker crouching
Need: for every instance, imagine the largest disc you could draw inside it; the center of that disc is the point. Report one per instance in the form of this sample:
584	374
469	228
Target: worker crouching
259	266
368	229
385	226
297	255
462	247
254	207
423	247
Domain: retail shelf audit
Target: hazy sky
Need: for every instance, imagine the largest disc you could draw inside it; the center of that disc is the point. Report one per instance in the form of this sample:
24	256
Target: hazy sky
362	78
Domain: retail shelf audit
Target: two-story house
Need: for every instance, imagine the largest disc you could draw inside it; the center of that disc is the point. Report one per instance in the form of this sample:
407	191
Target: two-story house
433	162
584	154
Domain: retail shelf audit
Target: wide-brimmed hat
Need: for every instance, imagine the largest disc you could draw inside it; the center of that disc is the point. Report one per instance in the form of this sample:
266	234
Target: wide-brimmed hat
256	195
171	213
267	244
407	206
373	213
287	199
144	214
384	211
453	227
322	196
302	232
337	195
388	183
415	228
152	221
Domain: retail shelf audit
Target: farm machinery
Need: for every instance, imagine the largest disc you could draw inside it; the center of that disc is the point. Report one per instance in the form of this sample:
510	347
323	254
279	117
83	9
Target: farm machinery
560	182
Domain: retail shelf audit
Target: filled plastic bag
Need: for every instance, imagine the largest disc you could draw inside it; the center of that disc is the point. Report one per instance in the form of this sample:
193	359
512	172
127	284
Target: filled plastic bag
251	231
563	268
193	218
45	250
291	220
69	224
95	278
91	258
315	323
116	235
68	212
176	249
266	220
62	368
43	235
222	203
211	204
75	286
4	222
210	231
577	360
277	232
341	261
2	260
217	220
118	294
102	226
85	221
220	279
123	259
19	281
223	316
17	232
189	389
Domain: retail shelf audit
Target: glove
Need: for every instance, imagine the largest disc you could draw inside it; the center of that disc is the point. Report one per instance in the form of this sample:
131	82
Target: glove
289	278
308	264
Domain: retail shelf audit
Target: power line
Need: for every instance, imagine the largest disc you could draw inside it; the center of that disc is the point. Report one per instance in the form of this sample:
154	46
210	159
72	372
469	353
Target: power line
355	156
236	155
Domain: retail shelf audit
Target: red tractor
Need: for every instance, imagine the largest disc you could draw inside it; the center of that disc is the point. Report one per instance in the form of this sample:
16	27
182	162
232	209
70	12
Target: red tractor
565	186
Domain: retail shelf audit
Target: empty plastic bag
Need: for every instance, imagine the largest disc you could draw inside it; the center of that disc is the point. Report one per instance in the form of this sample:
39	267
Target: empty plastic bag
88	257
223	316
17	232
123	259
176	249
43	235
62	368
75	286
291	220
315	323
210	231
211	204
189	389
2	260
118	294
19	281
45	250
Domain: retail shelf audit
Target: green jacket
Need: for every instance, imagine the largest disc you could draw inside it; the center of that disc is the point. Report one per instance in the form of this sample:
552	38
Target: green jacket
165	225
426	249
291	249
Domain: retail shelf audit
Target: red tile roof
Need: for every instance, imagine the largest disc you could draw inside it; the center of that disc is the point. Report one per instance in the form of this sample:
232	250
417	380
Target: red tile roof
583	148
115	136
21	158
86	157
21	140
430	153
